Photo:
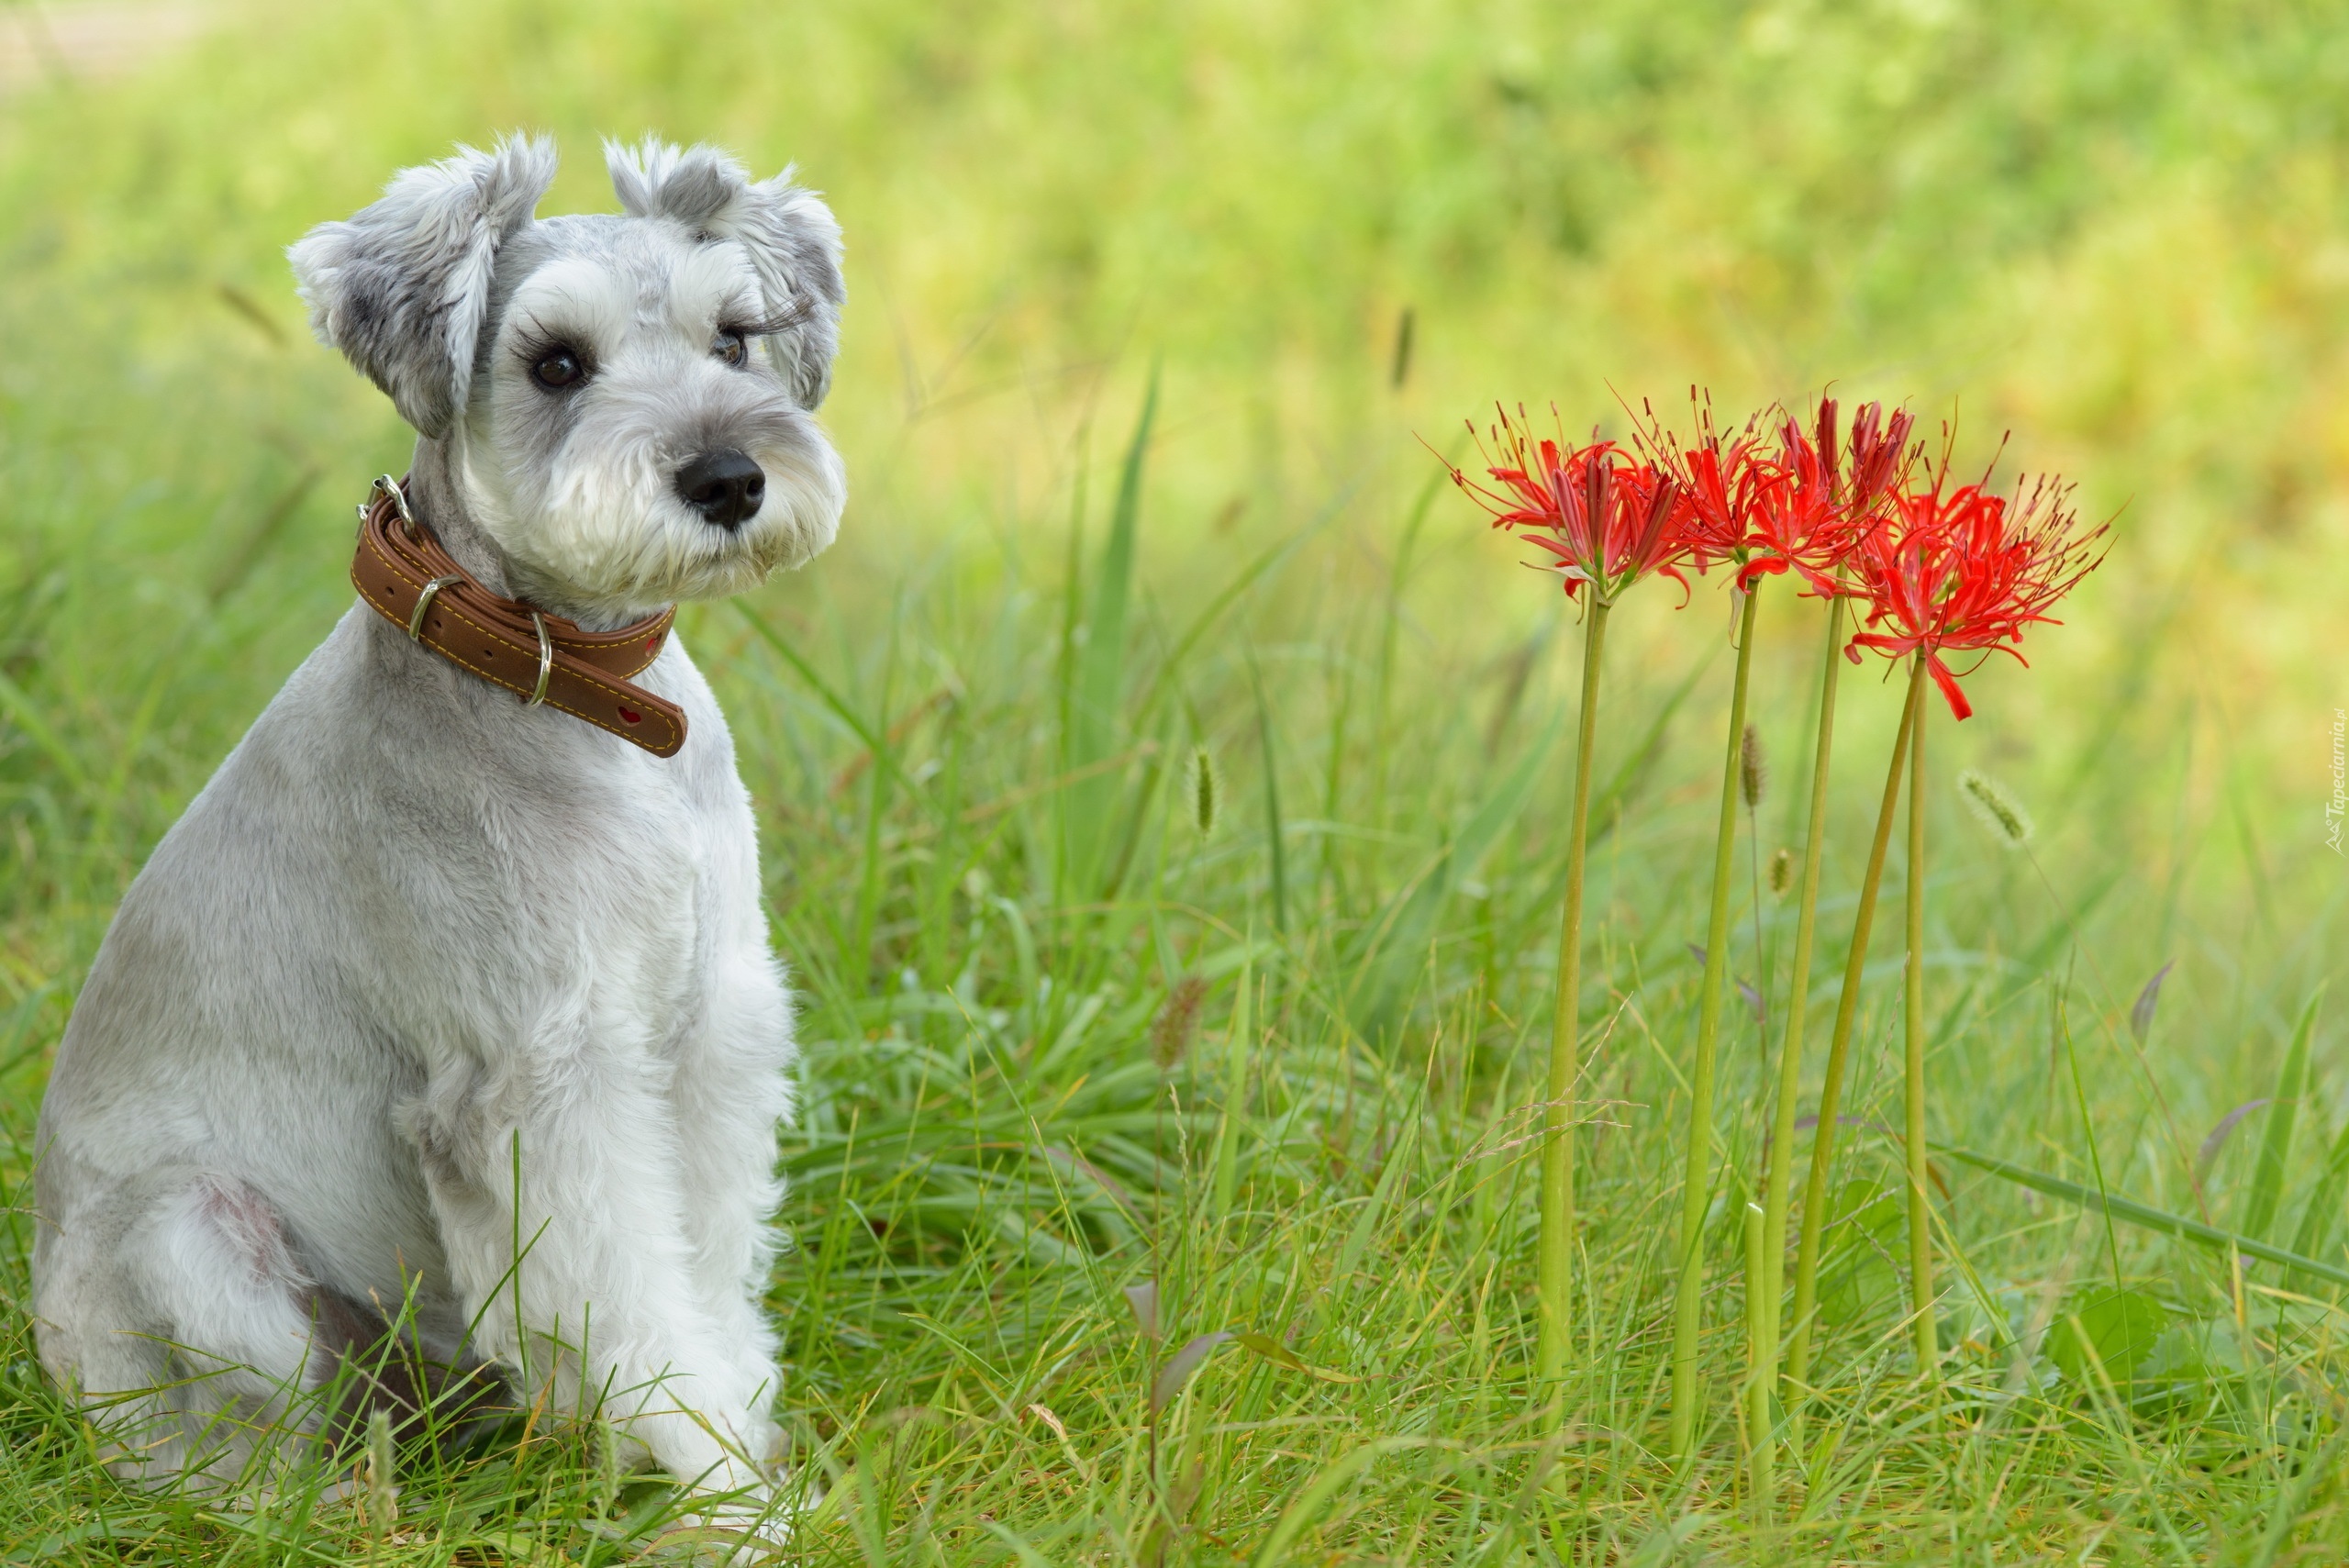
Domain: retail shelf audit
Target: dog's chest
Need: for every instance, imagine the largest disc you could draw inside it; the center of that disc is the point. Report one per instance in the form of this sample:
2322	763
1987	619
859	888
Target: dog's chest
529	883
634	889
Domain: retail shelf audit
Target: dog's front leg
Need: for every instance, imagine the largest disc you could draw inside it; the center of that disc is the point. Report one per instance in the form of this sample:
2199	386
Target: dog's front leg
557	1179
733	1091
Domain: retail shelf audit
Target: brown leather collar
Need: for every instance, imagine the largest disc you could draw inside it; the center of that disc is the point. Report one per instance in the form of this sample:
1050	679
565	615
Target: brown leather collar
405	575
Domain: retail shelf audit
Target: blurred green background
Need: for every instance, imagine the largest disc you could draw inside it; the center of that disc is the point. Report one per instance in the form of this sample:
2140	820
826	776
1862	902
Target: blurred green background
2118	231
2114	235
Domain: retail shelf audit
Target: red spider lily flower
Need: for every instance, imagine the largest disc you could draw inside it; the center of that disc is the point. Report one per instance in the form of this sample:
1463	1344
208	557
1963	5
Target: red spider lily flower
1880	451
1798	507
1723	484
1965	570
1820	495
1606	517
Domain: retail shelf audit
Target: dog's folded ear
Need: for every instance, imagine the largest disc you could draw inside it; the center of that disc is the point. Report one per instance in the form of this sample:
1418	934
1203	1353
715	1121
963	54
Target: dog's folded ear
788	231
402	288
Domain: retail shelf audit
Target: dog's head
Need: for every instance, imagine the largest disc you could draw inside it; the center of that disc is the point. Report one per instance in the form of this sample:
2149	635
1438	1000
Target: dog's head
627	399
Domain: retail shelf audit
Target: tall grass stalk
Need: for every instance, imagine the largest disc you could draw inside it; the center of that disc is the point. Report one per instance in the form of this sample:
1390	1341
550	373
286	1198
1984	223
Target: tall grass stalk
1777	1178
1556	1285
1238	1045
1920	1213
1839	1047
1689	1297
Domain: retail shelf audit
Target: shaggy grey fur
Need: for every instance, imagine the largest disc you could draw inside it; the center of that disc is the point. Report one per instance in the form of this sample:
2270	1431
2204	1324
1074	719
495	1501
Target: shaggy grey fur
423	970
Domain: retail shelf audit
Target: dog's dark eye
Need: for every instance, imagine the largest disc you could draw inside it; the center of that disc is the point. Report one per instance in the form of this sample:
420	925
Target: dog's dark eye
728	346
557	369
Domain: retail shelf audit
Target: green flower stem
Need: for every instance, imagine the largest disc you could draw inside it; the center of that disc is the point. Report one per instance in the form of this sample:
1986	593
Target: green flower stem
1556	1283
1777	1178
1688	1296
1920	1215
1838	1047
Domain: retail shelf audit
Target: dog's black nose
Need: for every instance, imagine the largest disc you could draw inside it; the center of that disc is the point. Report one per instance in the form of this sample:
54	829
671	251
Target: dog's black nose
724	486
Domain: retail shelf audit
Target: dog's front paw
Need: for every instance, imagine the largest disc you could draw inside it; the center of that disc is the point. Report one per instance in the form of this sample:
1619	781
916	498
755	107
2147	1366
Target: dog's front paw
735	1530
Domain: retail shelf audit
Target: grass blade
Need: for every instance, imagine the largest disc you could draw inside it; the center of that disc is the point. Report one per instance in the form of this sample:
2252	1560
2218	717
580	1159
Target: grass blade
1365	1224
2292	1501
2267	1193
1606	809
1244	579
833	702
1399	936
2141	1015
1321	1488
30	718
1100	670
1271	802
2130	1212
1238	1046
1178	1368
2324	1204
2088	1129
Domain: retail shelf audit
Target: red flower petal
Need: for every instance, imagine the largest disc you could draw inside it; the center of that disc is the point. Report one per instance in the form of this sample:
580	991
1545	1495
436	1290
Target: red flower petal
1963	570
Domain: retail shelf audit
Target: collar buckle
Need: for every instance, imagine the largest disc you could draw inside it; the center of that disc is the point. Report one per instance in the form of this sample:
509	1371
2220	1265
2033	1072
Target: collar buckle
386	488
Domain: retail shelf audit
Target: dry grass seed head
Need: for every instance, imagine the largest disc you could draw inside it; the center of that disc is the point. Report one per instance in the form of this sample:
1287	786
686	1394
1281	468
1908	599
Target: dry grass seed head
1203	789
1996	807
1177	1022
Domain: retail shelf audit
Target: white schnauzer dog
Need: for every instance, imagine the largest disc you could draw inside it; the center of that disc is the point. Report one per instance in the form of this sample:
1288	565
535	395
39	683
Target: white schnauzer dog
441	1044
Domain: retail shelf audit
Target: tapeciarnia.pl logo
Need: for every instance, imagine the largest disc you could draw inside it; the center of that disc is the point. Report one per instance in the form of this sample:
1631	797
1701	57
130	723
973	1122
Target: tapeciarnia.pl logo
2335	808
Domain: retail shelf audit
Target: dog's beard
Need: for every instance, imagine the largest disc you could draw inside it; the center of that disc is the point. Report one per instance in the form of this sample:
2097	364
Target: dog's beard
603	534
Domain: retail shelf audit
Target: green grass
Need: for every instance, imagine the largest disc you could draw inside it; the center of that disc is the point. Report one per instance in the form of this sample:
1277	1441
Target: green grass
2117	228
